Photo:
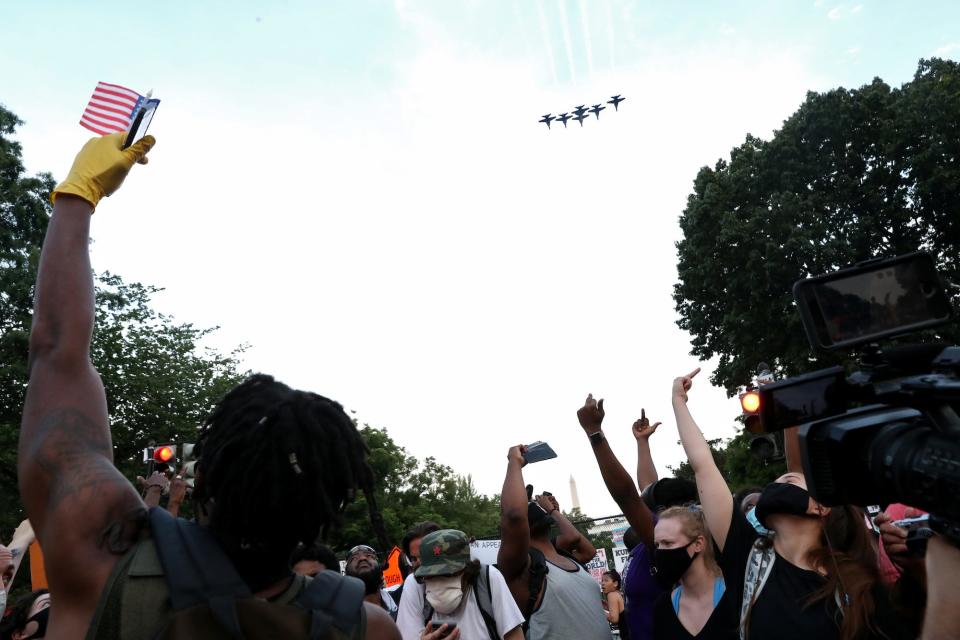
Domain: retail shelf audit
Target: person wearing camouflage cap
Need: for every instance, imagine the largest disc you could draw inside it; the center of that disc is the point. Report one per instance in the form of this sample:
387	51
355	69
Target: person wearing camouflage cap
471	600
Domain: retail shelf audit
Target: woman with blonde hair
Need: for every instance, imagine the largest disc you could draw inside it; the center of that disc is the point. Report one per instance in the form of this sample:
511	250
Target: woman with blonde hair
695	603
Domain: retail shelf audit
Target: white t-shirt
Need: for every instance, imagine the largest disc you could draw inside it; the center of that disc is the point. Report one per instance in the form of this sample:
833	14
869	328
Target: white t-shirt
467	616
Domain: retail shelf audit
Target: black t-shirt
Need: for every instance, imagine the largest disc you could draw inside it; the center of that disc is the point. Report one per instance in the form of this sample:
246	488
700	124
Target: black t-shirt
781	610
721	625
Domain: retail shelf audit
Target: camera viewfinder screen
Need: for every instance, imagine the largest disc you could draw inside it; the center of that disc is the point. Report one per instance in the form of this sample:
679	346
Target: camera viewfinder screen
796	404
872	303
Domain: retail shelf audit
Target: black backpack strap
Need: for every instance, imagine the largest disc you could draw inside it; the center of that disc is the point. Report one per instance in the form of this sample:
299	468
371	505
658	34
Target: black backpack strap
332	599
484	595
538	576
196	569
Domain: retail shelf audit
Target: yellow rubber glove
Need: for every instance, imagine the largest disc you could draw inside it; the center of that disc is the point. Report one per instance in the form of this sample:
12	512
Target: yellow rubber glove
100	167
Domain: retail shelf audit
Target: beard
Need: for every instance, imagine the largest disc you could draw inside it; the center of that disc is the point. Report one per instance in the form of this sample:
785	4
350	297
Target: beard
371	578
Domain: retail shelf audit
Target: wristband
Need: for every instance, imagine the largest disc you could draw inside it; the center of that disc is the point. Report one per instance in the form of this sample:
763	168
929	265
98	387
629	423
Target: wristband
596	438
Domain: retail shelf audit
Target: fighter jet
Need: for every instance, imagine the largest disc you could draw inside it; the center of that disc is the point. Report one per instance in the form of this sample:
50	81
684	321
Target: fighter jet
581	117
615	100
596	110
563	117
546	120
580	110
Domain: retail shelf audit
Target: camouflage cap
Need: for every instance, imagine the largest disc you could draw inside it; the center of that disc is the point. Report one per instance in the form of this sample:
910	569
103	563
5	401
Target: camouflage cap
443	553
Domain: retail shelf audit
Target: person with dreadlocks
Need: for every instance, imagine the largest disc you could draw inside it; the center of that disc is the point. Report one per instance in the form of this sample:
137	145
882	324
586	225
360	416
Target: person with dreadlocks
276	467
815	577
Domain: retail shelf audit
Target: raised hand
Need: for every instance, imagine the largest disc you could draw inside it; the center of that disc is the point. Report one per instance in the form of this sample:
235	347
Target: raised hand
515	454
548	503
101	166
178	488
157	480
682	385
642	429
591	415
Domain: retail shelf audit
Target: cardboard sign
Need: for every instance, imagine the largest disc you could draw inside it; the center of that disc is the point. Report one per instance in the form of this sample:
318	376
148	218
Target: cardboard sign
598	566
392	576
620	555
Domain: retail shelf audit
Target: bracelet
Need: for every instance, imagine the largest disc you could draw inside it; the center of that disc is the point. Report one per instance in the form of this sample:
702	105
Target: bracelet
596	438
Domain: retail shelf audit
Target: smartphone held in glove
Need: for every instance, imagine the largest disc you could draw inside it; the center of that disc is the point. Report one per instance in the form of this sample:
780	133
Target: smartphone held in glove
141	122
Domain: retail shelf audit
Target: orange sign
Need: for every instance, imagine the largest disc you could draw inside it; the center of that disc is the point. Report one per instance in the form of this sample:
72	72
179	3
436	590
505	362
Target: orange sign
392	577
38	575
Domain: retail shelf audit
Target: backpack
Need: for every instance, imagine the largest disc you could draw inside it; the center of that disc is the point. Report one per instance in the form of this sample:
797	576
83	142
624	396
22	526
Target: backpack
484	596
759	567
209	599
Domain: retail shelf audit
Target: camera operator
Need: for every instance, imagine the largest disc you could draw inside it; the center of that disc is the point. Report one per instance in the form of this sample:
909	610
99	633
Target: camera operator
817	579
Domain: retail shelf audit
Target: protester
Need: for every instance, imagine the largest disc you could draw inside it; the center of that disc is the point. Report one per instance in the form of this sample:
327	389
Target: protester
640	588
553	590
28	618
456	591
817	578
363	562
747	498
942	617
411	541
902	569
695	603
610	586
309	560
275	466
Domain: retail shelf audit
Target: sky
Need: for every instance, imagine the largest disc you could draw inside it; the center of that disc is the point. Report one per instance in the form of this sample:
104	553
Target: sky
362	193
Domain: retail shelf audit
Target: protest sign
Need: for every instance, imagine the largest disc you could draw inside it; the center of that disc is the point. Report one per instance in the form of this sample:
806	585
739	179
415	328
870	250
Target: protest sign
598	565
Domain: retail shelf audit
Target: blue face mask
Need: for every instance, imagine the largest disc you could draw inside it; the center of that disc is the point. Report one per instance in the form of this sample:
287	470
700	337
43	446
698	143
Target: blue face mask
752	519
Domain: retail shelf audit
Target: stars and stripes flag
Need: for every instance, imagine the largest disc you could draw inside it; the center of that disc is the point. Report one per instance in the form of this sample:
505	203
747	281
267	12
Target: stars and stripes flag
111	109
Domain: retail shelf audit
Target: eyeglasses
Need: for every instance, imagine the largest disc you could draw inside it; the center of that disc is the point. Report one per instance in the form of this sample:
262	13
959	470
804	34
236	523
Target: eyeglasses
362	549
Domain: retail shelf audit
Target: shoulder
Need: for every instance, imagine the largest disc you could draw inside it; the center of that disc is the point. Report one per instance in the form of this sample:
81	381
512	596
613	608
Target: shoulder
380	626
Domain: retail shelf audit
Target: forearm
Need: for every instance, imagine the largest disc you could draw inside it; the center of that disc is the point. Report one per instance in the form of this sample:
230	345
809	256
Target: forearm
64	305
623	491
942	618
694	444
151	497
513	498
173	508
791	446
570	539
646	472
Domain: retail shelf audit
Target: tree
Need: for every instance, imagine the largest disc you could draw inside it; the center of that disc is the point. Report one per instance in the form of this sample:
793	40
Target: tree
160	380
852	175
409	491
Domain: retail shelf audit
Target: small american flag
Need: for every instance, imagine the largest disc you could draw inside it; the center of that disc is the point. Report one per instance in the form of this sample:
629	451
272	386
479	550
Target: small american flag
111	109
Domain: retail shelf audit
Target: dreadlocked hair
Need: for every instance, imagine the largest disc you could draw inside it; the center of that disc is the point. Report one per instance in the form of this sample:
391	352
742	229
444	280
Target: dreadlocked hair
276	467
847	556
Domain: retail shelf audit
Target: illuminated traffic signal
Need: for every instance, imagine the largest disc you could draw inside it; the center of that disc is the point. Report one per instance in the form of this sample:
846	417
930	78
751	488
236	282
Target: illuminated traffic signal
165	454
750	401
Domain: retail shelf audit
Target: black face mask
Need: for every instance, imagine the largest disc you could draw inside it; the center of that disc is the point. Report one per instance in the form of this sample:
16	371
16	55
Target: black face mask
669	565
783	498
41	619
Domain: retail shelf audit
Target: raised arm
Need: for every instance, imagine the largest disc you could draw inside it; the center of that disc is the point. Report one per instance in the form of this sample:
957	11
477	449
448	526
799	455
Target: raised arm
72	492
615	477
791	446
642	430
715	497
570	539
514	527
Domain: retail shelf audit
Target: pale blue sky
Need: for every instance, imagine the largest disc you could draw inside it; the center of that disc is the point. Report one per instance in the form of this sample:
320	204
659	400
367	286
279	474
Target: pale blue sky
361	190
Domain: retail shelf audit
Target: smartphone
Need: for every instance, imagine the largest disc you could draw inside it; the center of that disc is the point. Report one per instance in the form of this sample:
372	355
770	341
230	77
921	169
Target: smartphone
450	627
912	523
538	452
874	300
141	122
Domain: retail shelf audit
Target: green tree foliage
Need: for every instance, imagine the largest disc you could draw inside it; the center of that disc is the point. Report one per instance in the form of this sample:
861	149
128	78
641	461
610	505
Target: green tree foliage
160	380
409	491
739	466
852	175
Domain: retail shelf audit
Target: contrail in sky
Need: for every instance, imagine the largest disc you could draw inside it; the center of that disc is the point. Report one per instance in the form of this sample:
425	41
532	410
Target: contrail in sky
586	35
566	39
546	40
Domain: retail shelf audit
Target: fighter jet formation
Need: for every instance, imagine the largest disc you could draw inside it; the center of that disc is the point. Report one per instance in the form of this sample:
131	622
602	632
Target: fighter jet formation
581	111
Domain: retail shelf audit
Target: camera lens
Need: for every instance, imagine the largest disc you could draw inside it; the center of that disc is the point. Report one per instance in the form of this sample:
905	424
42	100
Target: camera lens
928	289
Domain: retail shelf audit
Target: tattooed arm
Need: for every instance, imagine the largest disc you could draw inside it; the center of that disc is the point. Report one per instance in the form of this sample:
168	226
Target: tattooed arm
77	501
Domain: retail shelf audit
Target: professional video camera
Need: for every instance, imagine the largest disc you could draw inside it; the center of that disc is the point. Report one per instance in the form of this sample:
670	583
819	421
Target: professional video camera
888	432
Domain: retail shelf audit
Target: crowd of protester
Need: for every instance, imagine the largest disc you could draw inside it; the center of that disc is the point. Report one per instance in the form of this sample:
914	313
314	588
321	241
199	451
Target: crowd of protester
704	563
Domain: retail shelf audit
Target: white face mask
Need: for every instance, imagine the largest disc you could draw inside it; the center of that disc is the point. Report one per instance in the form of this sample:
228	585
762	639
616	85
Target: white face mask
444	593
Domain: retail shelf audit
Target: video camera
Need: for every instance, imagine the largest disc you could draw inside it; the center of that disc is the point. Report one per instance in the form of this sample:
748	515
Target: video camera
888	432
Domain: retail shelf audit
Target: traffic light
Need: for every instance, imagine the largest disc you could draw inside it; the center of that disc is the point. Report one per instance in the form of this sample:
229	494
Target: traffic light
750	403
165	454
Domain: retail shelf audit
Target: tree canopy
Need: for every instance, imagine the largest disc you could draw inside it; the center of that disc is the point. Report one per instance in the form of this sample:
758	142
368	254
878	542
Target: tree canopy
852	175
